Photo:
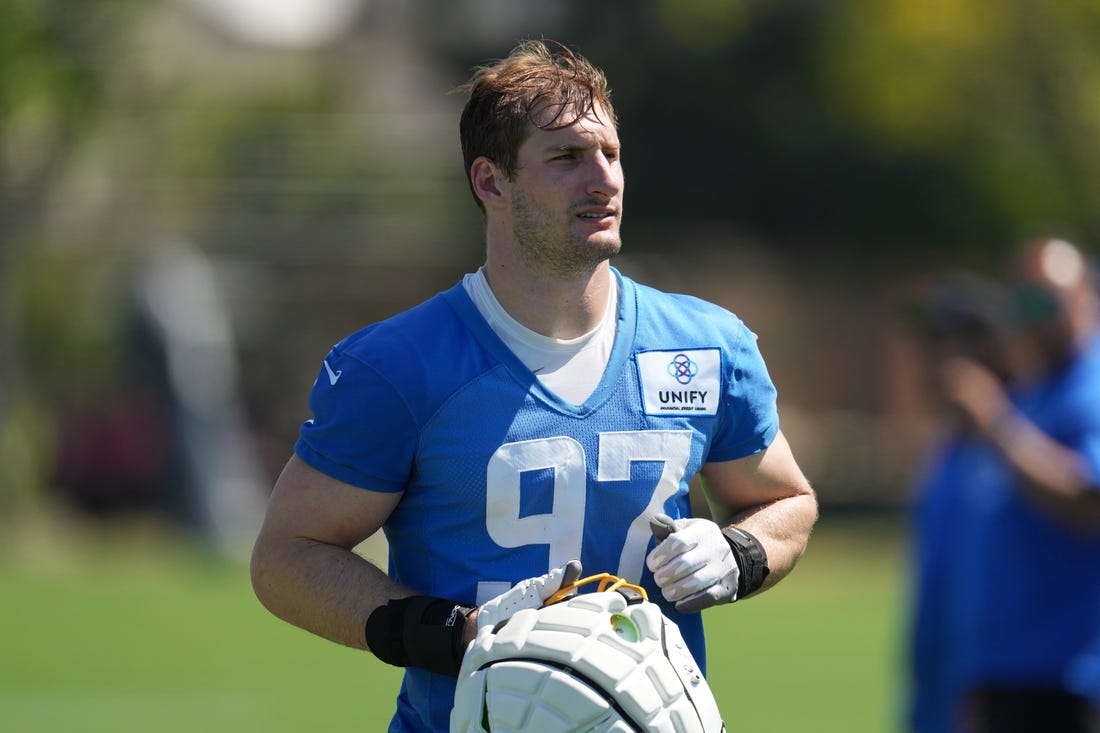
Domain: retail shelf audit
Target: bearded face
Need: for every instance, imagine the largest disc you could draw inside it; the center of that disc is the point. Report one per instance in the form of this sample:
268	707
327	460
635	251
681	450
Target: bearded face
565	200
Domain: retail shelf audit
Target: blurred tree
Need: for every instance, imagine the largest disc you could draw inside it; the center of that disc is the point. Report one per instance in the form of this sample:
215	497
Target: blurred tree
875	125
126	123
327	183
703	24
53	61
1004	94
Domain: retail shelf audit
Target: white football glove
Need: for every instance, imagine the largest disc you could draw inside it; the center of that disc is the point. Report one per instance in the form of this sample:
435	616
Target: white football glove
530	593
692	564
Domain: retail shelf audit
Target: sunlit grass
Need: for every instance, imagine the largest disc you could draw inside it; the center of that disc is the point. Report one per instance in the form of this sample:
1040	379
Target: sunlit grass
121	630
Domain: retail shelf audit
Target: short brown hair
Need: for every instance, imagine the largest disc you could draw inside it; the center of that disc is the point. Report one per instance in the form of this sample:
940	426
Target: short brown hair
513	92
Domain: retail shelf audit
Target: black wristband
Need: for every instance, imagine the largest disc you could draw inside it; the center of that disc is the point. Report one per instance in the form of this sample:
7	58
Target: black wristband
751	560
419	631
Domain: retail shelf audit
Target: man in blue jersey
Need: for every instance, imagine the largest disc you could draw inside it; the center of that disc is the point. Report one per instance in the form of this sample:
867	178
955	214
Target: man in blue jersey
1028	590
962	316
545	410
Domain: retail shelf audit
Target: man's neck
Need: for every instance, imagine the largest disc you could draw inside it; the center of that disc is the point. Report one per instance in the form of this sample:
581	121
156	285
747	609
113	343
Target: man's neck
563	308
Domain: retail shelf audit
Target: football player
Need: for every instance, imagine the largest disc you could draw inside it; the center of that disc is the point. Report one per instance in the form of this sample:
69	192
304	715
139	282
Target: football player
545	409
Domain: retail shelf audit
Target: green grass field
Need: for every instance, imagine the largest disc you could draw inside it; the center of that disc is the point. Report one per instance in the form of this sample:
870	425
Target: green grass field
122	631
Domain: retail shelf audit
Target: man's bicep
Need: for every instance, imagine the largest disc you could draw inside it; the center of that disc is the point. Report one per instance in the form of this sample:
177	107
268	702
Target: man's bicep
308	504
756	480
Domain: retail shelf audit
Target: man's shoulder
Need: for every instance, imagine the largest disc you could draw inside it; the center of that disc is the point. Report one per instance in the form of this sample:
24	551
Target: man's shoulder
1090	355
1070	398
682	313
409	331
1084	387
1083	377
653	297
428	350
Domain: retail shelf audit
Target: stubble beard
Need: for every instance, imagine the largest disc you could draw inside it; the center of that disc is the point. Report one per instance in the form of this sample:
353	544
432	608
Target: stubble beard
547	247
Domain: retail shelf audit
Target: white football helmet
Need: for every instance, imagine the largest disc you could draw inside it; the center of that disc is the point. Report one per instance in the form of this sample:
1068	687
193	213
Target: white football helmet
604	662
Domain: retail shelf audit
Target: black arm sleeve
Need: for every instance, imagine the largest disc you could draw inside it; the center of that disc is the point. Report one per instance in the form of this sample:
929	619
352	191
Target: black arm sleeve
751	560
419	631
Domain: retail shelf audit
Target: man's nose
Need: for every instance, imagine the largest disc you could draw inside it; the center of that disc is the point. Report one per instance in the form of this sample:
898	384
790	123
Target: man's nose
606	176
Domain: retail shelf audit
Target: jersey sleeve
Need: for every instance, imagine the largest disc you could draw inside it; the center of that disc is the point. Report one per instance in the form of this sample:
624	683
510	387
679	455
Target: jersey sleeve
749	416
1084	438
1068	409
361	432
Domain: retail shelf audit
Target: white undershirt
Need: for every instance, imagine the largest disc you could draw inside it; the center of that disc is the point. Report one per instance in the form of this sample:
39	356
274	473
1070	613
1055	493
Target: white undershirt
571	368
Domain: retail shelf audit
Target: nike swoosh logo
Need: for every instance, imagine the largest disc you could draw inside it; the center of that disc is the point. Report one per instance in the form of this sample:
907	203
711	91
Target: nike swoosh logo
333	377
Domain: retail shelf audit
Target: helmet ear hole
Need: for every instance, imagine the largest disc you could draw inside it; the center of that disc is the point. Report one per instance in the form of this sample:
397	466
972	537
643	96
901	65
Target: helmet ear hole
624	627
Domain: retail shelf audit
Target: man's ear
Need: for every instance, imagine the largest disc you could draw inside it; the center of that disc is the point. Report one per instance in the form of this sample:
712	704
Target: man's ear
486	179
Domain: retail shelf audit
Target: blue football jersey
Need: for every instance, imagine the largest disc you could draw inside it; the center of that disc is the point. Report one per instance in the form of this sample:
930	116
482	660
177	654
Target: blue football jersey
503	479
1038	594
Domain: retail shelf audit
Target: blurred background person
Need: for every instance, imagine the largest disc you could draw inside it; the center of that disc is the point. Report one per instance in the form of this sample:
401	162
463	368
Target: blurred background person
962	316
1024	583
166	436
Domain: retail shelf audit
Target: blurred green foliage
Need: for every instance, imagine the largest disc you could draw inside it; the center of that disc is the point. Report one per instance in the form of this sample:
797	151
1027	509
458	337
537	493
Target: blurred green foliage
327	181
863	124
886	123
1005	94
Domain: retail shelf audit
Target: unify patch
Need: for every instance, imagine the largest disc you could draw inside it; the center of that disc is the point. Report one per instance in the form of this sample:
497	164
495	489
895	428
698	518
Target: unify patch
681	382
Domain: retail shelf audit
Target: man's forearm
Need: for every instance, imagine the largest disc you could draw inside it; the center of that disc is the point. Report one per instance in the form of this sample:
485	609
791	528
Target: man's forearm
783	528
1052	474
325	589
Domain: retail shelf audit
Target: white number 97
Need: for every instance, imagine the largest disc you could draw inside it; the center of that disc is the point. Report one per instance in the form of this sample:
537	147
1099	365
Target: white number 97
563	527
